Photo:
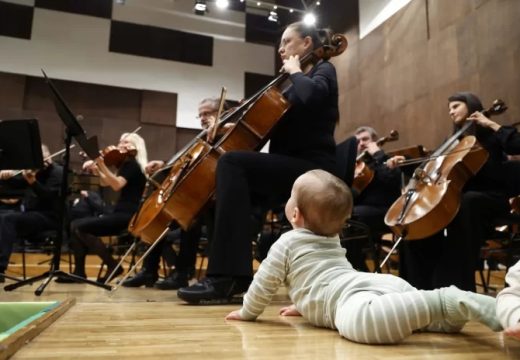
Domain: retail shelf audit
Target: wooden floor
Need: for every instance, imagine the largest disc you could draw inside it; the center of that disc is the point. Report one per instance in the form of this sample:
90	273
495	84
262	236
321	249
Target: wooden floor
148	323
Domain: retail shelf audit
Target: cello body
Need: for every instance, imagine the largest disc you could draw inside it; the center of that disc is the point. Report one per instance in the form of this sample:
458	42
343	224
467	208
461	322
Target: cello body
190	183
432	198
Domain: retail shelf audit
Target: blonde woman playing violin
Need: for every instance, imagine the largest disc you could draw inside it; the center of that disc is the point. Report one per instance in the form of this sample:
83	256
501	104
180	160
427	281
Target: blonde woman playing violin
40	206
129	180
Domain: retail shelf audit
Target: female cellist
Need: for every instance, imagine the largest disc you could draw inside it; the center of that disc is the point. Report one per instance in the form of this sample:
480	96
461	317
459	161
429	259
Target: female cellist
129	181
302	140
452	259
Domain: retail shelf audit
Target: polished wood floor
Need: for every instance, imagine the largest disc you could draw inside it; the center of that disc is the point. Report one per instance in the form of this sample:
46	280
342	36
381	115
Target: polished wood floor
147	323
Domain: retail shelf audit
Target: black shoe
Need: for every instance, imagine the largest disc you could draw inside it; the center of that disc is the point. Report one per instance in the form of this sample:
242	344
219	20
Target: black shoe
2	278
215	291
67	280
118	272
174	281
143	277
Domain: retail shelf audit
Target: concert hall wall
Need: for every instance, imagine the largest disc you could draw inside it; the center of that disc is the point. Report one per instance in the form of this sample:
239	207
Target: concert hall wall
401	74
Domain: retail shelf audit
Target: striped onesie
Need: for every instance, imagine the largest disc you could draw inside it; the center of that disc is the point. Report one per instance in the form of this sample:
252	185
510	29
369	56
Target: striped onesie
508	300
363	307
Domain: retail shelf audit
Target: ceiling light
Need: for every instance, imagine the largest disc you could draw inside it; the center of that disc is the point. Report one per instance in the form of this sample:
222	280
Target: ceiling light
222	4
309	19
200	7
273	16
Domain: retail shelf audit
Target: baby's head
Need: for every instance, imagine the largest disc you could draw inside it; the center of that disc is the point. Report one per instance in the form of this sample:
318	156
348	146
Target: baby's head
319	202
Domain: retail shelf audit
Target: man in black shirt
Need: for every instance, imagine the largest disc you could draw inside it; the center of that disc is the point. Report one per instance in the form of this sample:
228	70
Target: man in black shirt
39	208
372	203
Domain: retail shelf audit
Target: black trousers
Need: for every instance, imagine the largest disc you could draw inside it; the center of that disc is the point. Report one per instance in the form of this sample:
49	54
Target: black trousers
85	235
374	218
185	260
14	225
440	261
243	178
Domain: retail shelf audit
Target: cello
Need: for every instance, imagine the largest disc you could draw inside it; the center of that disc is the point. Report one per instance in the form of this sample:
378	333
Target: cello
431	199
363	175
190	183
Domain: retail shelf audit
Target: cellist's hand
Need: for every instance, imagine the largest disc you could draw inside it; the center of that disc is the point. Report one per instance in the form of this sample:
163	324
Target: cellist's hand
153	166
222	130
292	64
482	120
394	161
372	148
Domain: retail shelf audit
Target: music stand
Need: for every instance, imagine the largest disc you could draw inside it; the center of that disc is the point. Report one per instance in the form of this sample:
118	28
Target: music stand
72	130
20	145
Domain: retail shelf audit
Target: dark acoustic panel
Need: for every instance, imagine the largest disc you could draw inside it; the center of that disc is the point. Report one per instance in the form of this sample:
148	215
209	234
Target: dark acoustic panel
254	82
97	8
262	31
16	20
160	43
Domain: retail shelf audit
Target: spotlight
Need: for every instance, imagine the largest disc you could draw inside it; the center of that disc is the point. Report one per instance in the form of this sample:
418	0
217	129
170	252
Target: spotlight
200	7
222	4
309	19
273	16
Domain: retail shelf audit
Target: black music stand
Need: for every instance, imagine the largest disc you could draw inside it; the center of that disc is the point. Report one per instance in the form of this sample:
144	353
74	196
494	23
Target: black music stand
20	145
90	146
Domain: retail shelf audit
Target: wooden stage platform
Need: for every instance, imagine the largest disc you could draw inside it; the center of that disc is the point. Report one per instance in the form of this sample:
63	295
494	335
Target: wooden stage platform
148	323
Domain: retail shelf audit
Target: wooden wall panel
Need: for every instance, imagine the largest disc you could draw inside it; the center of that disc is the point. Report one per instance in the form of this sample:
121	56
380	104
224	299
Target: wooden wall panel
158	108
11	91
108	112
400	75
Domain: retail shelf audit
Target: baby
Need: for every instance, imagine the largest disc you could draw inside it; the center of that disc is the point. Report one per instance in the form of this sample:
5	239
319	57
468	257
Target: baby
328	292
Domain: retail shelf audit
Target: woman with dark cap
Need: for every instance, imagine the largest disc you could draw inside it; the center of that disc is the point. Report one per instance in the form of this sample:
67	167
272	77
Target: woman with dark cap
450	257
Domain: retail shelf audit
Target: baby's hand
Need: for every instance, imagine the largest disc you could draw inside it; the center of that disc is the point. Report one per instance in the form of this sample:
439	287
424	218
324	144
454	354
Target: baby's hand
289	311
234	315
513	331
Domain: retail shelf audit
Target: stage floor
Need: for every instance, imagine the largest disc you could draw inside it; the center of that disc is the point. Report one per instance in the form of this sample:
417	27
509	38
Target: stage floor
147	323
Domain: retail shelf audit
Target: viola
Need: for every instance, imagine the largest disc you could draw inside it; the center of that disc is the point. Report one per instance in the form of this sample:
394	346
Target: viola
363	174
190	183
431	199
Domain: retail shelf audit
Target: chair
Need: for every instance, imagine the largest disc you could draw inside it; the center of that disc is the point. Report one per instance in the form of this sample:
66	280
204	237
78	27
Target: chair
41	243
504	245
346	153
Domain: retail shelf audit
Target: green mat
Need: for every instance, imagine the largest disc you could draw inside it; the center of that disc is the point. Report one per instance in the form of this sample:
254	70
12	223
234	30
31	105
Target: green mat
15	315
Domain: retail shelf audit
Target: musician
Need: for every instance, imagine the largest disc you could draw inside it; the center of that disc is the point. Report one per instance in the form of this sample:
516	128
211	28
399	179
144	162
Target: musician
189	240
302	140
129	180
452	259
40	206
372	203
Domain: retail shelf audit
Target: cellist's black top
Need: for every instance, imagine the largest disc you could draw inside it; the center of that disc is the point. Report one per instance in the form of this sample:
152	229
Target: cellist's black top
493	175
307	129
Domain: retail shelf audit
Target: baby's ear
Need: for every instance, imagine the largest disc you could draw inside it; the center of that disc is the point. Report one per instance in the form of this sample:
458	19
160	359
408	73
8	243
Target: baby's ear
297	217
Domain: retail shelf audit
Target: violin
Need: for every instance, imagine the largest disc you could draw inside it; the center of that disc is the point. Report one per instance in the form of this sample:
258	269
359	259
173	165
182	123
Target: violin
431	199
115	156
363	174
